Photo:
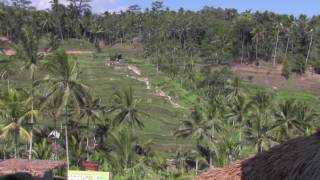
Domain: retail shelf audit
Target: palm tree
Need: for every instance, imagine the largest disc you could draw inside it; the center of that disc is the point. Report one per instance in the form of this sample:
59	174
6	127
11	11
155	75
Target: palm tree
56	17
52	110
102	130
261	122
278	29
43	150
258	34
96	30
285	116
125	105
262	100
293	117
90	111
76	150
289	30
259	131
122	156
197	156
310	45
306	115
226	144
197	127
238	111
65	83
29	53
13	115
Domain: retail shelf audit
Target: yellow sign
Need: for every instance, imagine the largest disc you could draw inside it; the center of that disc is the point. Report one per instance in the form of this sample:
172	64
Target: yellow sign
88	175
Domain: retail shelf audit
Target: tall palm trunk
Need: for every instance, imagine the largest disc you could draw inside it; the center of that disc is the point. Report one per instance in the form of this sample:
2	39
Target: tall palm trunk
60	31
197	164
15	151
259	145
242	50
240	134
257	41
287	47
31	120
87	148
4	153
158	59
309	49
55	138
275	49
66	136
15	142
211	159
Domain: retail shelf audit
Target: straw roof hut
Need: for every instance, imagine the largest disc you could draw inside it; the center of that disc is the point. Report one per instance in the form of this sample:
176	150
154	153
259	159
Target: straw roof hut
295	159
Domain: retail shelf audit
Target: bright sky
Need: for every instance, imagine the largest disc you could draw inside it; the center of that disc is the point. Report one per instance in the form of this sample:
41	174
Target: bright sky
296	7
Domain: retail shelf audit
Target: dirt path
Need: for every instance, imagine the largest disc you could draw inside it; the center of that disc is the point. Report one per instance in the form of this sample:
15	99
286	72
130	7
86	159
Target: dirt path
159	92
135	70
169	98
143	79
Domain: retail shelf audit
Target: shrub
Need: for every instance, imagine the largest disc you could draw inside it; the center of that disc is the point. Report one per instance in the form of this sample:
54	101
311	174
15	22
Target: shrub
316	66
115	56
286	70
298	64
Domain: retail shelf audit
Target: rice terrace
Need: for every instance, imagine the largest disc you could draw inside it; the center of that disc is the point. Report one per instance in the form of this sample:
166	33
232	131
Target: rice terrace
159	90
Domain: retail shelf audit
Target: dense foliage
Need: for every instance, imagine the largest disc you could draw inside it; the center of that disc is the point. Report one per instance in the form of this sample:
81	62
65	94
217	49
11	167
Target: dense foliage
173	38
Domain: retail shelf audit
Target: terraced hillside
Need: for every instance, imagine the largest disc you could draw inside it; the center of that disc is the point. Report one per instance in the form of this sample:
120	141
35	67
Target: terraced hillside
161	98
164	111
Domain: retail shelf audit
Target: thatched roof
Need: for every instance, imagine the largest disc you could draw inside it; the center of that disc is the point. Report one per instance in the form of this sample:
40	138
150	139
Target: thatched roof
295	159
232	172
37	168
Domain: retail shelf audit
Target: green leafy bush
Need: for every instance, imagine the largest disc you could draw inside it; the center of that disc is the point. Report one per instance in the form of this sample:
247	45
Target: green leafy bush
286	70
316	65
298	64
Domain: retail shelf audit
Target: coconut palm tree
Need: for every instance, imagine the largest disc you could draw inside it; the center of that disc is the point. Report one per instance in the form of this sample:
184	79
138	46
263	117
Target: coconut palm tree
226	145
261	122
278	29
91	112
198	127
258	34
193	154
285	115
260	130
123	155
96	30
102	130
238	112
294	118
28	51
13	115
306	115
310	46
126	107
64	82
